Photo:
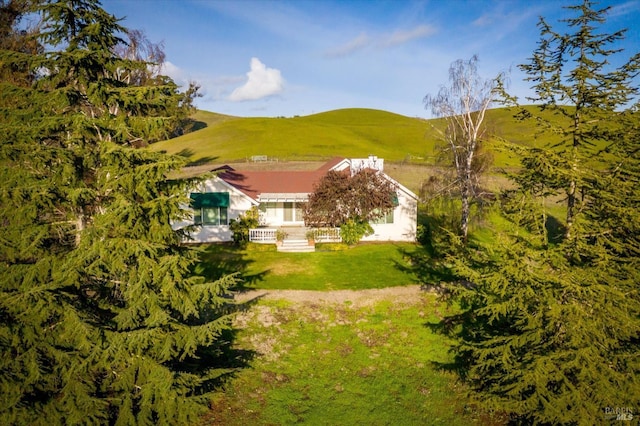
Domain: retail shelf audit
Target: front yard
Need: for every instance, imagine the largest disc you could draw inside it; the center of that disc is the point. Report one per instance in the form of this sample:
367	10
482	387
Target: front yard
332	362
357	350
371	265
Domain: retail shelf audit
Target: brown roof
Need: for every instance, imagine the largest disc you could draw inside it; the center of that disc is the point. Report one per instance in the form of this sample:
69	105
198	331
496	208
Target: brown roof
254	183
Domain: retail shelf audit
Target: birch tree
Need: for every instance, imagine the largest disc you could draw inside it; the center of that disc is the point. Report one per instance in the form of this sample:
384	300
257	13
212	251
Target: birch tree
549	329
463	105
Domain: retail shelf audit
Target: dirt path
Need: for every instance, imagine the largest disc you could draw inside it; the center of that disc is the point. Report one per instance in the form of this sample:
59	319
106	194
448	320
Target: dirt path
406	294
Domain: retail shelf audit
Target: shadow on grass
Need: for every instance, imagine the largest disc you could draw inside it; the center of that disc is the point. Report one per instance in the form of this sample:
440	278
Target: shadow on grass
195	125
216	363
428	271
427	263
220	361
189	153
219	260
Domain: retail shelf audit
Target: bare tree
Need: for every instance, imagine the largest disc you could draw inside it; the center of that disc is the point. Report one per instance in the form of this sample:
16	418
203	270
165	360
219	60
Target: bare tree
463	106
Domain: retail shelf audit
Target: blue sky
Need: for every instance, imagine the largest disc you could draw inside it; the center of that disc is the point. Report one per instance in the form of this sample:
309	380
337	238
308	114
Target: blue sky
284	58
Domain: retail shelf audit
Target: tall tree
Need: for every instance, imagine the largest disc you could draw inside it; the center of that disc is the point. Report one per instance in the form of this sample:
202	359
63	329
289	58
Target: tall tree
138	48
549	330
101	317
463	105
351	201
578	92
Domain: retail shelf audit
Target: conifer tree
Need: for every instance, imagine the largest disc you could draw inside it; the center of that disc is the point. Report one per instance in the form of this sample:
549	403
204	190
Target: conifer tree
578	93
101	317
549	330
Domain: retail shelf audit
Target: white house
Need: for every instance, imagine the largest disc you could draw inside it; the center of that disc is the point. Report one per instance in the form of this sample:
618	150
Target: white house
280	198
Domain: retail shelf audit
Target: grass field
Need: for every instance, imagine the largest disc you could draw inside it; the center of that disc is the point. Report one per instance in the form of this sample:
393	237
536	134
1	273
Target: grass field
365	266
348	133
322	361
321	364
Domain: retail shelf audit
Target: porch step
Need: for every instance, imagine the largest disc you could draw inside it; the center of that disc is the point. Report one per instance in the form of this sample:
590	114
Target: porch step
296	246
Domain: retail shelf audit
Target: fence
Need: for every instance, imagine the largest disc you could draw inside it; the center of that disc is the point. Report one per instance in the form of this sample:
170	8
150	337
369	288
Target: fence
269	235
327	235
262	235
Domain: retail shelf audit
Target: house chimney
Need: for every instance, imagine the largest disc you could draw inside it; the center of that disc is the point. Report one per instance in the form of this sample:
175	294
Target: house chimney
375	163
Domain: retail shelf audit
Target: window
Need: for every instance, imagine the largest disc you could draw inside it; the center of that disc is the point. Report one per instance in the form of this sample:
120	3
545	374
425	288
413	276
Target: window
211	216
269	209
388	218
210	208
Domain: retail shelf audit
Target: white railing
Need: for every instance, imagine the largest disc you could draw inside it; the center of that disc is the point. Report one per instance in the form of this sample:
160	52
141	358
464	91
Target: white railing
326	235
262	235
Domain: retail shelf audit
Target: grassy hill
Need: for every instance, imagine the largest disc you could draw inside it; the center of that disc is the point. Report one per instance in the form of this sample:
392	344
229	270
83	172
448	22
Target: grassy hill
346	132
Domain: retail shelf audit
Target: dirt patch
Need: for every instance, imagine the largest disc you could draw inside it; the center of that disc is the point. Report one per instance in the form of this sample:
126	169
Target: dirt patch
357	298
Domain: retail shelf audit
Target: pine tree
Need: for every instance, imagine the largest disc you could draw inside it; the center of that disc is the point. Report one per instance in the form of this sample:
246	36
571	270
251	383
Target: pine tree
537	337
578	93
549	329
101	317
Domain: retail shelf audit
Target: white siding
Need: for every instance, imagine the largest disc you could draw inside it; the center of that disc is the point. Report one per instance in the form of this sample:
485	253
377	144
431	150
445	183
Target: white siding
403	227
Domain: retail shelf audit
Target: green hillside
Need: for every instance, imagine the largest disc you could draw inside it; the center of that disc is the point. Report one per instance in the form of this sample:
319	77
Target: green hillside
345	132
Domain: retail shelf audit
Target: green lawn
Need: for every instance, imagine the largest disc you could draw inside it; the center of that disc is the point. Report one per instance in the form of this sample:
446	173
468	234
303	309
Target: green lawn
321	364
342	363
364	266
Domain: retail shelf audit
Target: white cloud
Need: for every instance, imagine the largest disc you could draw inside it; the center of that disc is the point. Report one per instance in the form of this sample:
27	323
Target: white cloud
176	73
357	43
261	82
624	8
483	21
400	36
385	41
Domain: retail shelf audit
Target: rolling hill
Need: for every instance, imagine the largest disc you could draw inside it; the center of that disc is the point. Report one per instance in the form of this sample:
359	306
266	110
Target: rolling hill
345	132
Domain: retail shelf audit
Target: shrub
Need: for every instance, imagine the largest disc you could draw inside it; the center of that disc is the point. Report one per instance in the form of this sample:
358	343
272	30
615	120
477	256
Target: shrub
354	230
240	227
281	235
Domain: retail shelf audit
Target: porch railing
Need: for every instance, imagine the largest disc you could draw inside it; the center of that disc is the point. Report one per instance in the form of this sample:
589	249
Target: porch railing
262	235
327	235
268	235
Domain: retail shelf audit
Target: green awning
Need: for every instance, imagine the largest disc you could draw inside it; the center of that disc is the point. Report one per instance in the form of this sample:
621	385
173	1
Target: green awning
209	199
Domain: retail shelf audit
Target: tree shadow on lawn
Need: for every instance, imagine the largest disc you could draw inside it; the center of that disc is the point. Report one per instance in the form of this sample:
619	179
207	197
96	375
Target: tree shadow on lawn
219	260
189	153
428	271
222	360
466	326
426	262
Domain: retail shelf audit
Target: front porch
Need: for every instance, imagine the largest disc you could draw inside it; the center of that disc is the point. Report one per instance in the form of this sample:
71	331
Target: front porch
294	238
